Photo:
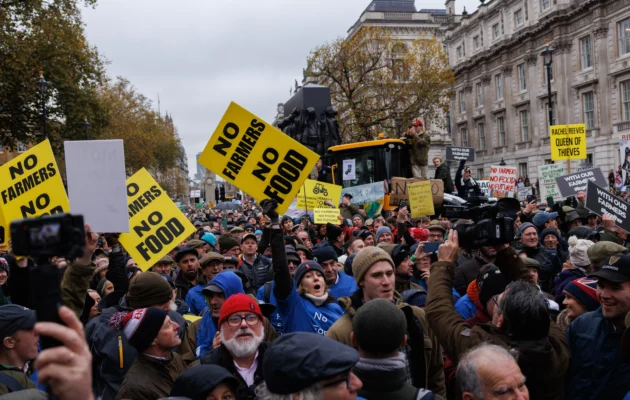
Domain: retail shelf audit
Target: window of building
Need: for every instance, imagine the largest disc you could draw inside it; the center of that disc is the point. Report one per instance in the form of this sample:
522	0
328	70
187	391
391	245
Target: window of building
501	130
544	4
498	80
522	169
522	78
21	146
479	90
624	36
480	173
464	133
459	52
524	126
553	116
398	70
586	52
588	106
482	136
462	102
495	31
518	17
549	161
625	100
476	42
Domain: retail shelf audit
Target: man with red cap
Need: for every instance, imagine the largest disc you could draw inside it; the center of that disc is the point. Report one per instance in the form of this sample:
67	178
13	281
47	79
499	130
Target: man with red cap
419	150
242	349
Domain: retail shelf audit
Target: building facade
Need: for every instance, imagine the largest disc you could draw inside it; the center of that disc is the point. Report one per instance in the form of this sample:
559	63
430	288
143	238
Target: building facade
500	100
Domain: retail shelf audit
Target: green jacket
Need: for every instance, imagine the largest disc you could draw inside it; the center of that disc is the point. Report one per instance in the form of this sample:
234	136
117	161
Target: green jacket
419	153
75	284
18	375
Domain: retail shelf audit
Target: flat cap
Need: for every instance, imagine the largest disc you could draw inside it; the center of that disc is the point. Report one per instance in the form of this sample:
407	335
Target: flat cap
600	251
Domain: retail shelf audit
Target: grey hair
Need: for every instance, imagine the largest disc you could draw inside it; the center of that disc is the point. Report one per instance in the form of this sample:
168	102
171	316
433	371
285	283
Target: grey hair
467	373
311	393
525	311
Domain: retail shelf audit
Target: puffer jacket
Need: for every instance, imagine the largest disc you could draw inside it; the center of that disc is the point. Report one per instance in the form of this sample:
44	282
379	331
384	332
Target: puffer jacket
419	151
431	374
256	273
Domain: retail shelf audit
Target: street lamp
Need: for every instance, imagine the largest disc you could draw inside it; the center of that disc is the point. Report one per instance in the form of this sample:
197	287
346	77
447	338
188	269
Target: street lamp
399	122
502	163
42	84
548	59
86	125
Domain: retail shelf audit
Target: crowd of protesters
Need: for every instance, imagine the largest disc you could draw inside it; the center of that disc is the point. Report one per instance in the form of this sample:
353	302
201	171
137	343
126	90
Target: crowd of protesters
255	305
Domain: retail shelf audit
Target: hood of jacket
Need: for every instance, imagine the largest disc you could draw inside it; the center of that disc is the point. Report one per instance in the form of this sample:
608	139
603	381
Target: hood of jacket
229	282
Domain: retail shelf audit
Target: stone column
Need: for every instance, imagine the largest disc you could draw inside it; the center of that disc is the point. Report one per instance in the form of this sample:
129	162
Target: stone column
600	51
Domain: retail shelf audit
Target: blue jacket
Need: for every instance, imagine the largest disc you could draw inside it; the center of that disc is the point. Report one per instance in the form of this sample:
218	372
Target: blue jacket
465	307
275	318
195	300
231	284
456	295
345	286
596	370
301	315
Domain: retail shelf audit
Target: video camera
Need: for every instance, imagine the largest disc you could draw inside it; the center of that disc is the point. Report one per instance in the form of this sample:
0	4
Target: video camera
48	236
492	224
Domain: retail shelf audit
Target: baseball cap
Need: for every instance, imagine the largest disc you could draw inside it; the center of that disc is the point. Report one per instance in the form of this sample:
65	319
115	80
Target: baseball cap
249	236
15	318
417	123
542	217
616	270
347	195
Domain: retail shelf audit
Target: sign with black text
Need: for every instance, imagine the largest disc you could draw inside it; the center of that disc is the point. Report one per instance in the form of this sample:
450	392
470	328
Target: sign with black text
601	201
571	184
460	153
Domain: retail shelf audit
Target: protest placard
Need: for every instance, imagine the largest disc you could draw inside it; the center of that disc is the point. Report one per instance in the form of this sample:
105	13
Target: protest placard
370	196
349	170
98	166
313	194
523	192
460	153
502	181
547	175
157	225
601	201
568	142
483	186
420	198
30	186
399	193
571	184
326	216
257	158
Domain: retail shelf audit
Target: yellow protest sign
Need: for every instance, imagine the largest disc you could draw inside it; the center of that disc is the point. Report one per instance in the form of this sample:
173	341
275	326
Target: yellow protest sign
30	186
157	225
257	158
568	142
313	194
326	215
420	198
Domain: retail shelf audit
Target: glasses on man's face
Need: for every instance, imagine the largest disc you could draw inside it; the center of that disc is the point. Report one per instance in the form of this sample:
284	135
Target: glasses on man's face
235	320
338	381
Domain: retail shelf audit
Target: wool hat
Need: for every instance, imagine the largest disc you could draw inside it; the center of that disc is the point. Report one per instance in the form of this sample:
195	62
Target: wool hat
400	253
210	239
249	226
140	326
584	290
367	257
379	327
305	267
381	230
323	254
333	232
546	232
521	229
199	381
148	289
491	283
578	251
239	302
227	242
358	215
600	251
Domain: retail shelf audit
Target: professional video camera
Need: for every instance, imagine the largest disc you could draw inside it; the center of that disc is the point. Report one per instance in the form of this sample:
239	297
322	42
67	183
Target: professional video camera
492	223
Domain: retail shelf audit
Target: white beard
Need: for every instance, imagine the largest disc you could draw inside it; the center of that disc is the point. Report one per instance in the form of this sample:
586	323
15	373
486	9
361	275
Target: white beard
241	348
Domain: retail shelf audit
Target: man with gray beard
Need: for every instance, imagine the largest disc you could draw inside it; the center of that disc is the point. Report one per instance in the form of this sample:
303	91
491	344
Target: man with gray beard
242	348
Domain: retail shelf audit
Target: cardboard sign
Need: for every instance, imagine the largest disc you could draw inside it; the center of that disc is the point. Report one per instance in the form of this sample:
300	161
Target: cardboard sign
502	181
30	186
483	186
257	158
399	190
601	201
326	215
547	175
370	196
460	153
568	142
95	170
157	225
313	194
420	198
349	170
523	192
571	184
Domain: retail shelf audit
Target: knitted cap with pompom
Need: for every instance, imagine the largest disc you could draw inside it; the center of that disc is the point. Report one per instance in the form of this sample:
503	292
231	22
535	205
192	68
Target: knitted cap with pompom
140	326
578	251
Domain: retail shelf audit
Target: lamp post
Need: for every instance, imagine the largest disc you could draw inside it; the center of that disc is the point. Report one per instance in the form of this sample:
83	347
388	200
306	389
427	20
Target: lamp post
42	84
548	59
86	125
398	122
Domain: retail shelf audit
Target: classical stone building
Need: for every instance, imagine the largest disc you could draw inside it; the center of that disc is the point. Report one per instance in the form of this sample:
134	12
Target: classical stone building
500	101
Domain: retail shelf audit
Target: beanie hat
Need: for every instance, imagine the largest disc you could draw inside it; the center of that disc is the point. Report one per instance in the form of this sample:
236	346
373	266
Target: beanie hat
140	326
239	303
305	267
226	242
491	283
210	239
584	290
325	253
381	230
332	232
400	253
347	265
388	247
546	232
358	215
578	249
367	257
100	286
148	289
379	327
522	227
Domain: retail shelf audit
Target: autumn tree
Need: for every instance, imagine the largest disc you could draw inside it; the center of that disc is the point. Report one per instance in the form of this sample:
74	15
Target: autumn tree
374	78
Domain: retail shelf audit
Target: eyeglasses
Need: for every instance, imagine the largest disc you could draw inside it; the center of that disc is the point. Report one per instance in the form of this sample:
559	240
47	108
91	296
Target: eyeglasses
235	320
338	381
